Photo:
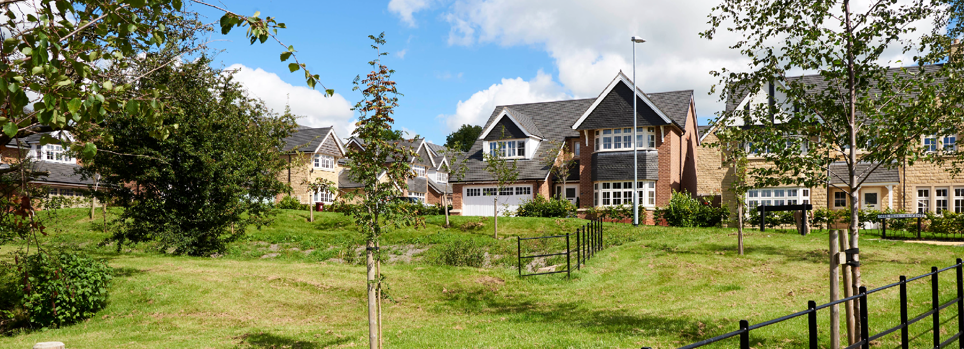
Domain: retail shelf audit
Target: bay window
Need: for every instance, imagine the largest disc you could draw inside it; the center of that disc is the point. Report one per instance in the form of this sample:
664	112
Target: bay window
324	162
617	193
622	138
324	196
777	197
419	171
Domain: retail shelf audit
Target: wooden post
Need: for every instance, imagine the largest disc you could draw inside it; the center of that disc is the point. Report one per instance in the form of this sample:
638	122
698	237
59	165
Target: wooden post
311	210
834	291
378	274
495	215
372	301
848	292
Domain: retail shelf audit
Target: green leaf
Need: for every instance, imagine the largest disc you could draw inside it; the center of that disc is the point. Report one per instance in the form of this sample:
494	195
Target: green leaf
74	105
132	107
90	149
330	92
37	70
108	85
226	23
256	14
293	67
27	51
47	139
10	129
285	56
177	5
132	27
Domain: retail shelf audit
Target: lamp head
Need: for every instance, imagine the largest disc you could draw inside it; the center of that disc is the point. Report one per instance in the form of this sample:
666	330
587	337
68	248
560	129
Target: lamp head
637	40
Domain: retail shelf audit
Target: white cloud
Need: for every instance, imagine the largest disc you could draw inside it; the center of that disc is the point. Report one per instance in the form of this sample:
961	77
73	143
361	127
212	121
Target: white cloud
401	54
405	8
476	110
318	110
589	41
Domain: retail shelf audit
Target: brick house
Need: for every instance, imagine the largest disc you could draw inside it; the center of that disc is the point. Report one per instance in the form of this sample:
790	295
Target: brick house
311	153
59	170
917	188
599	132
429	166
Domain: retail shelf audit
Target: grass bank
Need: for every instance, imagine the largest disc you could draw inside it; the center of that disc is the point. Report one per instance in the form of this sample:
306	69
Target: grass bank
659	287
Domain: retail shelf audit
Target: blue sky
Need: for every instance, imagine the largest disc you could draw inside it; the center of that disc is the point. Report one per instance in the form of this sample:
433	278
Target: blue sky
455	60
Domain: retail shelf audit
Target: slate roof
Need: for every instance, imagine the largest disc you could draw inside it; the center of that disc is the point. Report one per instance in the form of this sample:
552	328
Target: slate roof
838	172
675	104
417	184
614	107
305	139
439	187
344	182
618	166
554	121
703	128
58	173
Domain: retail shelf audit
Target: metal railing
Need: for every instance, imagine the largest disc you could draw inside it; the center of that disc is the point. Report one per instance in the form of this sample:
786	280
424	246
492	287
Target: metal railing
865	337
589	240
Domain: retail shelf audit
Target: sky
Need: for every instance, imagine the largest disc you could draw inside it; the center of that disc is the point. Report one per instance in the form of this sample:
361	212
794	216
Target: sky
456	60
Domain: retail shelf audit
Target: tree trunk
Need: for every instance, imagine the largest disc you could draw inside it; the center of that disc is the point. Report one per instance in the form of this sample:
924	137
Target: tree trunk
378	276
92	204
311	211
852	130
739	227
372	297
834	291
445	203
104	206
495	215
848	292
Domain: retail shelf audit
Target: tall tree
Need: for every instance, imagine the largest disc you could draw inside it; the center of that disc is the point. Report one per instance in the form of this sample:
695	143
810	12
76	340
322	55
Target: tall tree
465	137
218	169
378	202
859	109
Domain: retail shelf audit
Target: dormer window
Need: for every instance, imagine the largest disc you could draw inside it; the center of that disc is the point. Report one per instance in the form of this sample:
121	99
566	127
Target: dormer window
56	153
614	139
419	171
441	177
515	148
324	162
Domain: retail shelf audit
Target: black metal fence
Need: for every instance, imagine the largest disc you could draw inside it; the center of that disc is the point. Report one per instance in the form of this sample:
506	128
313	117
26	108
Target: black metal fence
589	240
865	337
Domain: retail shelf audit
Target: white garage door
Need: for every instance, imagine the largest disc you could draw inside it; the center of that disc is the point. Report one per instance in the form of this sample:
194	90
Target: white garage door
477	200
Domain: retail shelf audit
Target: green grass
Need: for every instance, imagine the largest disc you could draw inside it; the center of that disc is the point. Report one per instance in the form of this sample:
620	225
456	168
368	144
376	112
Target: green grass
658	287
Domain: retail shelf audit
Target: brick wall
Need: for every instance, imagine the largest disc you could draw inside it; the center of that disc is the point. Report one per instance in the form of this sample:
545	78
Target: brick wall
664	185
585	169
688	175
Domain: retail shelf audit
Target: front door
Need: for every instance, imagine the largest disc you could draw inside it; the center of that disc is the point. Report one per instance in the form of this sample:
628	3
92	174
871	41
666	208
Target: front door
571	192
870	199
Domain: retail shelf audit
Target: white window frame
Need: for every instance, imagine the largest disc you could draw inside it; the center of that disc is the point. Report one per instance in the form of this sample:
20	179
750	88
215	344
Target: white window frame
959	200
777	196
923	200
941	200
324	162
441	177
56	153
323	196
417	195
418	170
930	143
949	143
605	193
509	148
620	139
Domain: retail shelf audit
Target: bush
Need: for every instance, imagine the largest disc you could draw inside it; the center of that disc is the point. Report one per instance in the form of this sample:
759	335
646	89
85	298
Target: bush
61	288
685	211
947	223
461	253
291	203
549	208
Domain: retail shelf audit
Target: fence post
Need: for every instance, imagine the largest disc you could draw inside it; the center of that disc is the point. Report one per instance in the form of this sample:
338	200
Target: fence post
578	254
960	301
918	228
568	266
936	304
864	336
518	241
904	331
812	323
883	226
745	335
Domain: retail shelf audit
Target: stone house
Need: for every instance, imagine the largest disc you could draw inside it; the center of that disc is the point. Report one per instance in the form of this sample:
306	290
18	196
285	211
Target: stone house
599	133
311	153
917	188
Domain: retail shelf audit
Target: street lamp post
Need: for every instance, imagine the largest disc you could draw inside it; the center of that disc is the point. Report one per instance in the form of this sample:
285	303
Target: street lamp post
636	40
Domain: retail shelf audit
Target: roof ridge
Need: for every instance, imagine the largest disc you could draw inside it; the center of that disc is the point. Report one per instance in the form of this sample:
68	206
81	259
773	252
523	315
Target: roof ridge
684	90
558	101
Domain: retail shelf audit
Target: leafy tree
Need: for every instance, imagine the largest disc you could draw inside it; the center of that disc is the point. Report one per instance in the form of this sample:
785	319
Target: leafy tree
218	169
559	159
464	137
859	109
505	173
378	202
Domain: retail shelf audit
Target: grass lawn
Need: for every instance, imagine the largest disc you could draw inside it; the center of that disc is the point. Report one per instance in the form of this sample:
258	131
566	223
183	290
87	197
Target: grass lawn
661	287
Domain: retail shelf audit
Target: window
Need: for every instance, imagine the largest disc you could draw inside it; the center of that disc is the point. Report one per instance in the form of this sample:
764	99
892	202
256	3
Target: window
441	177
930	143
523	190
575	148
621	193
777	196
473	192
870	199
622	138
324	162
959	200
923	200
489	191
324	196
950	143
419	196
418	170
508	149
506	191
56	153
839	199
940	200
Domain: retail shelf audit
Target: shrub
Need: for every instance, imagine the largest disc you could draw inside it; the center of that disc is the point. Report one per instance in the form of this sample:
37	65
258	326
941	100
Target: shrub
685	211
461	253
291	203
947	223
61	288
542	207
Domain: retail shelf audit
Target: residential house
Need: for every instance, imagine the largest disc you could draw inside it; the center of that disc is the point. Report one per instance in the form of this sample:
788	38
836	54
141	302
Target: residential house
59	171
429	166
917	188
311	153
599	133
